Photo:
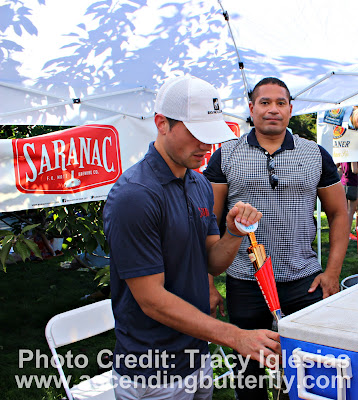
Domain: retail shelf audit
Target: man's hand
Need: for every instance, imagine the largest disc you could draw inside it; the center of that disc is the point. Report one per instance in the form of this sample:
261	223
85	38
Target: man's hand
328	282
260	344
244	213
216	300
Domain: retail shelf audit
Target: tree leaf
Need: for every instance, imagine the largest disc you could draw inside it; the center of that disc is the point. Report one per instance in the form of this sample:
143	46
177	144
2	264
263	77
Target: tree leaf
104	276
100	238
60	225
62	213
4	232
91	245
33	247
84	232
29	227
4	252
8	239
21	249
84	206
102	271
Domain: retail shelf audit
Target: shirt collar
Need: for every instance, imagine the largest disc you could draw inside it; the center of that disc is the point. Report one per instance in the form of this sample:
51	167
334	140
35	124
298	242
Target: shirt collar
288	143
161	168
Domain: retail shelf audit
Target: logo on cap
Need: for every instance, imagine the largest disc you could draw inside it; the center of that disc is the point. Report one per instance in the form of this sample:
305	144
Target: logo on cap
216	106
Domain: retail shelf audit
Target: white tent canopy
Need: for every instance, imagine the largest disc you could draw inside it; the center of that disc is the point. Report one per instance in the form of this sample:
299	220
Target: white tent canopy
74	62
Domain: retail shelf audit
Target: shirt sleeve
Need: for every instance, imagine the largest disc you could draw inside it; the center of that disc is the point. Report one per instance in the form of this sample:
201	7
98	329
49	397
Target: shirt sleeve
133	225
213	228
213	171
329	175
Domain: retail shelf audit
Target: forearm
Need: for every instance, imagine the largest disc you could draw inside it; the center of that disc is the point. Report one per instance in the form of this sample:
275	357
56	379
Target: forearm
338	243
172	311
334	204
222	253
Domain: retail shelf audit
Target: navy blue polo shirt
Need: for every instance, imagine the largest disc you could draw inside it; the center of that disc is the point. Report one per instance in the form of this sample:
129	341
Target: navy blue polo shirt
154	223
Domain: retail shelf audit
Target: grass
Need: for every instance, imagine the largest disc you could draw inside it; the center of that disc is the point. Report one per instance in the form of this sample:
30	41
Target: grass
31	293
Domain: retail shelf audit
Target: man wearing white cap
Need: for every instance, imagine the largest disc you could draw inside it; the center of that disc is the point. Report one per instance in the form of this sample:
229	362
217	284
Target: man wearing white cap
164	240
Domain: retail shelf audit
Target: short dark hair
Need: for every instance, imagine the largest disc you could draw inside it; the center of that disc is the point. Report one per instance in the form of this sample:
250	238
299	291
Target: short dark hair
172	122
269	81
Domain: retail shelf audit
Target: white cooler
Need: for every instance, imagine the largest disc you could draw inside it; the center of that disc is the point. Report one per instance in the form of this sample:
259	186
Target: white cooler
320	349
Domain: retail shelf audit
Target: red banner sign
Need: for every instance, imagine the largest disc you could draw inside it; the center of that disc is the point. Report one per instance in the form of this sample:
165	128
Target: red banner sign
68	161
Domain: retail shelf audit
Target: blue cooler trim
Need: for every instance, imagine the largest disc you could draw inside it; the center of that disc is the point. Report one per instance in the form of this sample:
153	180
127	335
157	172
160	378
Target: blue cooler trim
321	375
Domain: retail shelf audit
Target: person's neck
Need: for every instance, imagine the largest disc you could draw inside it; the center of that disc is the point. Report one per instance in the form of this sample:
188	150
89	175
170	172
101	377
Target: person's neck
271	143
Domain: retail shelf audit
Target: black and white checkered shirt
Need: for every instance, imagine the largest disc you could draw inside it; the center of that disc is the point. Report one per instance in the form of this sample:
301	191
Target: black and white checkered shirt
287	228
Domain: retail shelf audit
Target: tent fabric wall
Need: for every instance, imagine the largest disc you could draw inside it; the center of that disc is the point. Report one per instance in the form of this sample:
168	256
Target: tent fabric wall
72	63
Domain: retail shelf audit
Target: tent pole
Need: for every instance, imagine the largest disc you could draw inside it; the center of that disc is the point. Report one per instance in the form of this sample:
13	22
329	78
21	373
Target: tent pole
319	231
30	90
43	107
348	97
241	64
313	85
235	116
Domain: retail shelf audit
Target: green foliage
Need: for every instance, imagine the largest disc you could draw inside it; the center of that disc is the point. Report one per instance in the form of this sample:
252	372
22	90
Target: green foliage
21	245
304	126
103	275
81	224
25	131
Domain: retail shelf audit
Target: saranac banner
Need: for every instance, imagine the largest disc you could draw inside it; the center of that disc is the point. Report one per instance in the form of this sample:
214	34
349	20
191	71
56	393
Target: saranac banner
70	166
74	165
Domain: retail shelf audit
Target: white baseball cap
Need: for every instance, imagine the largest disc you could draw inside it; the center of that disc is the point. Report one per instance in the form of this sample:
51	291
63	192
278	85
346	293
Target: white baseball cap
197	104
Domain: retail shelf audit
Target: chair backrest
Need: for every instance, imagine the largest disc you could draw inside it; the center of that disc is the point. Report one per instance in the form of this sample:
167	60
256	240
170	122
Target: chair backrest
75	325
80	323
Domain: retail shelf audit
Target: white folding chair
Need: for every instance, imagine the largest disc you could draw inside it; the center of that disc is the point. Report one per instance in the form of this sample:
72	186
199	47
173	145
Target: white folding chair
73	326
230	371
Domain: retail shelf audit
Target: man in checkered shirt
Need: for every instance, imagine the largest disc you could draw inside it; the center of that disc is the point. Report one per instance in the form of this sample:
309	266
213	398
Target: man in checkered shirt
281	175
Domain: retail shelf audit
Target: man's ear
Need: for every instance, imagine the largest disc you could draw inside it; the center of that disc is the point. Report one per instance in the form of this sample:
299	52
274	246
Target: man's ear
251	107
161	123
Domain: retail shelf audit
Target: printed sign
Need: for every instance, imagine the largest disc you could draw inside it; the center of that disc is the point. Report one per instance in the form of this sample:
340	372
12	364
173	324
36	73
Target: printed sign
345	144
67	161
75	165
334	117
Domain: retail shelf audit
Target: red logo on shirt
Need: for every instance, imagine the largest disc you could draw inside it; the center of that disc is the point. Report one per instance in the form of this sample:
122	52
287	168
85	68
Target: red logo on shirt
204	212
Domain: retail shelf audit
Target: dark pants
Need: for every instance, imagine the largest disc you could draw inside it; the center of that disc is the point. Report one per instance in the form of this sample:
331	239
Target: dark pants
248	310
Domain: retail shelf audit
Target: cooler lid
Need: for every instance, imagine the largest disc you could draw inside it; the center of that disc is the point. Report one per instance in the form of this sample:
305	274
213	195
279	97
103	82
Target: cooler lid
330	322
